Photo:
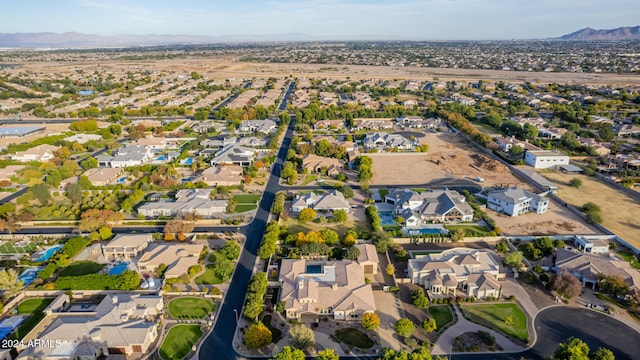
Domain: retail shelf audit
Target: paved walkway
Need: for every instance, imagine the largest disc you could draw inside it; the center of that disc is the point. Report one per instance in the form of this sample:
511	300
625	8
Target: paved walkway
444	345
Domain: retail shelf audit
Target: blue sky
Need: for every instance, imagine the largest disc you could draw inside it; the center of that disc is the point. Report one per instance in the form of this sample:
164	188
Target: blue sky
326	19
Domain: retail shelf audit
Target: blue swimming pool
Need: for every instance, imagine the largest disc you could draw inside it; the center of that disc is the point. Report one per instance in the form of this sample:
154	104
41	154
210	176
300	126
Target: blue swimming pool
122	180
162	158
187	161
119	268
29	275
46	253
425	231
314	269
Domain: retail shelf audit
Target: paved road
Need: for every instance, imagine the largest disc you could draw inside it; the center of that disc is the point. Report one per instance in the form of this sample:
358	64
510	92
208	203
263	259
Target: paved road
218	345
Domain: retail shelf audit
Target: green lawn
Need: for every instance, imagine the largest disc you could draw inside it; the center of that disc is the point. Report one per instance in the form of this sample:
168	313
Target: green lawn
309	178
470	230
486	128
33	308
245	207
442	314
81	268
179	340
8	248
630	258
353	337
276	334
208	278
190	307
495	316
246	198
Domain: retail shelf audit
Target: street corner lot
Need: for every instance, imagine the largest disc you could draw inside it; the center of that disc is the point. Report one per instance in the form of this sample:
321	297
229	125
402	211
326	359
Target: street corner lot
558	220
449	154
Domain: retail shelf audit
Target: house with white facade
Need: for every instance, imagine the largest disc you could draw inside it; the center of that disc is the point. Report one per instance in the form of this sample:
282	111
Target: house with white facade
514	201
331	288
126	156
234	154
591	244
126	246
381	140
429	206
266	126
542	159
456	272
325	202
42	153
187	201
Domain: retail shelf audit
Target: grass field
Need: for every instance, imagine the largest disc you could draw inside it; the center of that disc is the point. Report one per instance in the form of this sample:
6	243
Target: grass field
497	316
208	278
485	128
81	268
179	340
442	314
190	307
619	211
8	248
470	230
309	178
353	337
33	308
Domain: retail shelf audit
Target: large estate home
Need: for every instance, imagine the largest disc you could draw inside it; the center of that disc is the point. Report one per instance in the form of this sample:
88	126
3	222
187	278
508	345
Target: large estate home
514	202
458	271
126	156
40	153
386	140
187	201
121	324
429	206
319	164
126	246
331	288
177	257
326	202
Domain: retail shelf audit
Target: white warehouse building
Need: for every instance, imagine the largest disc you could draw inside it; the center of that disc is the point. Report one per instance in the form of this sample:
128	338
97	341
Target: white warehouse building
542	159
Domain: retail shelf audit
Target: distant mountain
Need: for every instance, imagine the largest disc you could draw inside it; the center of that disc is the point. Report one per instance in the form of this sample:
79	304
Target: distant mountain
75	39
621	33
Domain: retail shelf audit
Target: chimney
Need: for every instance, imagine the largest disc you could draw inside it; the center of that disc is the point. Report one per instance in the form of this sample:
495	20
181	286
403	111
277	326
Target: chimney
334	286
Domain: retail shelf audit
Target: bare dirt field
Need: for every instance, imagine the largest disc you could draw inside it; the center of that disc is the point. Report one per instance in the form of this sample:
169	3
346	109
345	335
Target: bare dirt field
556	221
448	155
50	129
620	213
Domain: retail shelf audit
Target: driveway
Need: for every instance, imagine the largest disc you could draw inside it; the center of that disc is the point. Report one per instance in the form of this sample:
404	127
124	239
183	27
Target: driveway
389	310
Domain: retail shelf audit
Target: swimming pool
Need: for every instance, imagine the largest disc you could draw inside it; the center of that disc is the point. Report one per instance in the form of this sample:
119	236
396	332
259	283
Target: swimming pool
187	161
46	253
119	268
121	180
162	158
314	269
29	275
424	231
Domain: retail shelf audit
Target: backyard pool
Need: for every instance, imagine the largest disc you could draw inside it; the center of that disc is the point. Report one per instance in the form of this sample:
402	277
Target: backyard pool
314	269
45	253
187	161
162	158
29	275
121	180
425	231
119	268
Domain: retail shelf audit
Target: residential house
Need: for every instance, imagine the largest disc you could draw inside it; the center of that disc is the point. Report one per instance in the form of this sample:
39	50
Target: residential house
514	201
9	172
368	258
591	244
219	141
551	133
542	159
267	126
408	104
457	272
331	288
102	176
320	164
328	124
381	140
599	148
234	154
40	153
204	126
372	124
463	99
628	130
121	324
125	157
227	175
83	138
507	143
429	206
126	246
588	267
187	201
177	257
325	202
419	123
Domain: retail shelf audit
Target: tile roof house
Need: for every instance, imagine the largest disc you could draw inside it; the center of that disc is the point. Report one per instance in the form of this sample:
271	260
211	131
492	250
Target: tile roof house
436	205
317	164
187	201
226	175
326	202
40	153
234	154
126	246
514	202
386	140
368	258
329	124
457	271
178	258
121	324
333	288
102	176
126	156
266	126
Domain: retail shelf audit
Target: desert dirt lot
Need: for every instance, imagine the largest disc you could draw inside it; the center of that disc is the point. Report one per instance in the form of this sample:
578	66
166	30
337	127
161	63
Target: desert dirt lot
50	129
556	221
620	213
448	155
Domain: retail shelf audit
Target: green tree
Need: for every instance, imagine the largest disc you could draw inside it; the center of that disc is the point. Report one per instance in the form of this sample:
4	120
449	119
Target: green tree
613	285
512	259
84	182
370	321
89	163
230	250
502	247
429	325
41	193
326	354
404	327
567	285
105	232
603	354
347	191
457	235
301	337
573	349
419	299
257	336
351	253
307	215
9	281
382	241
74	193
289	353
340	216
576	183
329	236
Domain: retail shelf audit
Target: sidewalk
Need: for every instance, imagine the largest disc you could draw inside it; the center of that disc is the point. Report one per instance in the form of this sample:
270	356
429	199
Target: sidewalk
444	345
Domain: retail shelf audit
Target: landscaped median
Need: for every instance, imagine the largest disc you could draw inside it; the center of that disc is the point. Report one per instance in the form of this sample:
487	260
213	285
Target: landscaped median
507	318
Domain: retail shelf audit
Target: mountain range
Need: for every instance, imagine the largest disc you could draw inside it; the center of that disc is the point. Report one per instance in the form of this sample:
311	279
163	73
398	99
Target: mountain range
621	33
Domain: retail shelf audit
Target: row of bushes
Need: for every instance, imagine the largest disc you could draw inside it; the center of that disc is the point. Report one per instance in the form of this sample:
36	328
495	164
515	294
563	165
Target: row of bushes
269	240
129	280
374	218
255	293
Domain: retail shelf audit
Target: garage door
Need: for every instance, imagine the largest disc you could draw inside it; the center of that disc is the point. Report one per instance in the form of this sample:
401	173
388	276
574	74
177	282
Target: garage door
368	269
113	351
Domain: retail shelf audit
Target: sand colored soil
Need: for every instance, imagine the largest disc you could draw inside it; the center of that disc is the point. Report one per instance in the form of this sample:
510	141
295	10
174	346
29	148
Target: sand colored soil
620	213
449	155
